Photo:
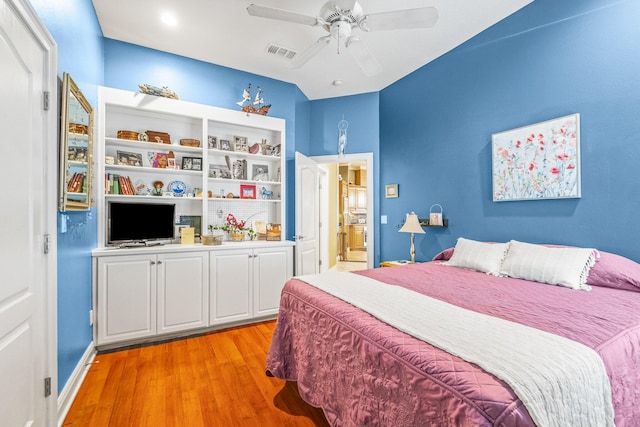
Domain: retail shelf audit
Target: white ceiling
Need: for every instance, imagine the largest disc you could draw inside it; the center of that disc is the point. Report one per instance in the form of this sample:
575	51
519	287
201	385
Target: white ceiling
223	33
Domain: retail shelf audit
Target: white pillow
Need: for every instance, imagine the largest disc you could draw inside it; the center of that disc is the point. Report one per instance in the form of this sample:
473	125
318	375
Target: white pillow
481	256
567	267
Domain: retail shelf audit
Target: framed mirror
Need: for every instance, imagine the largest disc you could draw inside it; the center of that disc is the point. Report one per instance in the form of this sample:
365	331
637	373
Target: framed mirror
76	148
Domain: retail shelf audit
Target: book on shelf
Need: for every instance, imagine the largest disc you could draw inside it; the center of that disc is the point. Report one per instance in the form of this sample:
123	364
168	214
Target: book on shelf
118	185
76	183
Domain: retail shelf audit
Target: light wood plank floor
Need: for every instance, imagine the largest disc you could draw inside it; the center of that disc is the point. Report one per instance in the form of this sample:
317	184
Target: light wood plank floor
217	379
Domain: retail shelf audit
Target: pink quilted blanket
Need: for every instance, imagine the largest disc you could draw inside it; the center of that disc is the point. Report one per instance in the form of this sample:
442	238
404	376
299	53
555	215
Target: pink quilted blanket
364	372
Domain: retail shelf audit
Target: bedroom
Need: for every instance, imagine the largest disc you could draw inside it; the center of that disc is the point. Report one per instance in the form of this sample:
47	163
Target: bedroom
548	60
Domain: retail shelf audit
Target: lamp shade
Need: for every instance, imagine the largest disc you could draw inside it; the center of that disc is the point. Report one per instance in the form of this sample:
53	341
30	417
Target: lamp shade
412	224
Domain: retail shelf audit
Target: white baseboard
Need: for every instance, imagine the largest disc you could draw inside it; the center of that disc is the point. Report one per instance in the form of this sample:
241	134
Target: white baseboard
70	390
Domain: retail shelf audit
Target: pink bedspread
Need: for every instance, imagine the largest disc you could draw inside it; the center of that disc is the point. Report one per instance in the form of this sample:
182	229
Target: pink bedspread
364	372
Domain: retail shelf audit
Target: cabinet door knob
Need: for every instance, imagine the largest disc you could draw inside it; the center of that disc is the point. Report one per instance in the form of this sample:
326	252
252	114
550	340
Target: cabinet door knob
159	262
153	263
299	237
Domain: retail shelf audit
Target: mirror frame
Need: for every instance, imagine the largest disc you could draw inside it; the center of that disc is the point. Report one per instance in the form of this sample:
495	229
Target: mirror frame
71	131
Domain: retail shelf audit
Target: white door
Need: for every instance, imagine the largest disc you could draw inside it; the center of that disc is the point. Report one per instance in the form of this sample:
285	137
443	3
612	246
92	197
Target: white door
272	267
126	297
183	291
231	280
27	273
307	209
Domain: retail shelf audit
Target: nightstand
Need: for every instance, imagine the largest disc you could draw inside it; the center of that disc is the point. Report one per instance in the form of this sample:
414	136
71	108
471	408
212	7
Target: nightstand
394	263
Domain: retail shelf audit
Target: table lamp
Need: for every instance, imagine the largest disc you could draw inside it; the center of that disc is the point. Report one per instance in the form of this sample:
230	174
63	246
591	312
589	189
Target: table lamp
412	225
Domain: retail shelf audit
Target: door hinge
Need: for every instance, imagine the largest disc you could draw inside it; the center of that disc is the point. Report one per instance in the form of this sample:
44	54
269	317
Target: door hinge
47	243
319	262
47	387
45	101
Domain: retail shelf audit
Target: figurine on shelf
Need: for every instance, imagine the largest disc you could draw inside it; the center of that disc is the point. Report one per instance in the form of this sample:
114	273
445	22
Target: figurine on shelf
157	188
266	194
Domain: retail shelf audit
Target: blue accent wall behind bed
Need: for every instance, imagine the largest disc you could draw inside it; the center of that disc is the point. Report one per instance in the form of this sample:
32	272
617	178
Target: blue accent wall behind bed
550	59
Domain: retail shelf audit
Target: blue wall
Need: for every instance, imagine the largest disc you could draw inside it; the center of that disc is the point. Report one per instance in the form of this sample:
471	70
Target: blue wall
548	60
363	135
74	26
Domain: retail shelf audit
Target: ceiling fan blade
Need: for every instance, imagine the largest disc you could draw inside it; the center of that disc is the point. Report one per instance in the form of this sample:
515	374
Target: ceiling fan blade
363	56
424	17
300	59
282	15
345	4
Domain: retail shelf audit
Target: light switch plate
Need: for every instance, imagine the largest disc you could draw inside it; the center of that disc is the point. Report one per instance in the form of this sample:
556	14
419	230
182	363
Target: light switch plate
383	219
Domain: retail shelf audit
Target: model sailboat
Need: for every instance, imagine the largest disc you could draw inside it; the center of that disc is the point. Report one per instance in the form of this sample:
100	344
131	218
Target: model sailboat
258	106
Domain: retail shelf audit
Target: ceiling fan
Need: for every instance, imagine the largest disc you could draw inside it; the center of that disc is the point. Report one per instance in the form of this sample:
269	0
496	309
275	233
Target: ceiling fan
339	18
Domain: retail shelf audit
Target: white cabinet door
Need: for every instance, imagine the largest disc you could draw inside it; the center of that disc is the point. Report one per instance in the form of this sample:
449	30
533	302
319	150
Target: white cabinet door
183	291
272	268
231	273
126	298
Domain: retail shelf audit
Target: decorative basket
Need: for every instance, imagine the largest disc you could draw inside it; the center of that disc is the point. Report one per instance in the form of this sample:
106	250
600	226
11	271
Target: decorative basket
160	137
211	239
129	134
190	142
78	128
435	218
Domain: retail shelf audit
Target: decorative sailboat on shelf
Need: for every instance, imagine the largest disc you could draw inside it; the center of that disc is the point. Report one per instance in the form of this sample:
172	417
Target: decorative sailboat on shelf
258	106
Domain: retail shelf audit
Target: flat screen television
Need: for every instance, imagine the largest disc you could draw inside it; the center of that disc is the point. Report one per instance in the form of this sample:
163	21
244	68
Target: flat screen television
140	222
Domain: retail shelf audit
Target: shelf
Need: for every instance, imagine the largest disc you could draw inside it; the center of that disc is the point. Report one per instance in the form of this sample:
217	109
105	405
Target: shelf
248	155
79	136
424	222
77	163
154	146
144	169
149	197
225	199
244	181
78	196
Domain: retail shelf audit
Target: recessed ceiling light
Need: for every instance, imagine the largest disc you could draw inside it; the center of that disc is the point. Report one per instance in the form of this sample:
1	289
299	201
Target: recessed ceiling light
337	83
169	19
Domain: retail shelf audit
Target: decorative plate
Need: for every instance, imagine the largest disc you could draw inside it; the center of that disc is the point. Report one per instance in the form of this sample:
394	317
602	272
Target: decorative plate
178	188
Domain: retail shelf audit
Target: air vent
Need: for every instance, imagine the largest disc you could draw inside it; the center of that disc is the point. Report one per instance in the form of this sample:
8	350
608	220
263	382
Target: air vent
283	52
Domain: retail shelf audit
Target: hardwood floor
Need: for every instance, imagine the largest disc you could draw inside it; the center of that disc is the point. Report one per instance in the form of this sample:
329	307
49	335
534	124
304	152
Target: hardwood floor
217	379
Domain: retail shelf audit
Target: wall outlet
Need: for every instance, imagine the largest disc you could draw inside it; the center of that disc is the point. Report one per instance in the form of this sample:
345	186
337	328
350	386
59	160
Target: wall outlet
90	317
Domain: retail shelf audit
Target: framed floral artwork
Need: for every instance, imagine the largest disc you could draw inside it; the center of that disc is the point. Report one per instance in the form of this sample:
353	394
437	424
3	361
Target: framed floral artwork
538	161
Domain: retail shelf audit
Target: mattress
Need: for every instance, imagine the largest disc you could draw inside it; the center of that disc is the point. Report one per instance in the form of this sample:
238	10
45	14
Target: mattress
361	371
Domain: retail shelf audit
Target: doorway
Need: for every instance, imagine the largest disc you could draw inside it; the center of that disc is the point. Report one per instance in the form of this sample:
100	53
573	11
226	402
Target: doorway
347	206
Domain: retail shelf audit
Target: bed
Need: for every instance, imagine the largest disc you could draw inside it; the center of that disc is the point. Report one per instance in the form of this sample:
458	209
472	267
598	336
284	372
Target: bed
362	371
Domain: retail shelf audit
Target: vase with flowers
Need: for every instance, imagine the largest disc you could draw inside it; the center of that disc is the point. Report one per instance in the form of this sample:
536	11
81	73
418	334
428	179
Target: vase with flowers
234	228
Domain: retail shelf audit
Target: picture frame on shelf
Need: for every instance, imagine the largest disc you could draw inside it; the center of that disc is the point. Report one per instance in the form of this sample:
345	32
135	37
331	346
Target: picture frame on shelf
260	172
391	191
212	142
192	163
225	145
171	163
239	169
194	221
247	191
158	160
219	171
240	143
126	158
77	154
